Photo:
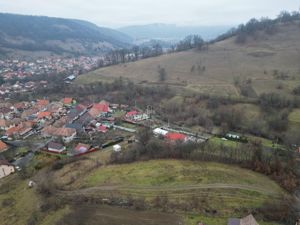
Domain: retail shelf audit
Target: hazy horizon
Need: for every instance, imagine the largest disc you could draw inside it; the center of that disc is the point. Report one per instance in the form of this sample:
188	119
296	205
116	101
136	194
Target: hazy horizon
118	13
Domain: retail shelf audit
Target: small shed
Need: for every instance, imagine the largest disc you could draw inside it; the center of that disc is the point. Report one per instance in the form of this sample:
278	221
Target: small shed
160	132
117	148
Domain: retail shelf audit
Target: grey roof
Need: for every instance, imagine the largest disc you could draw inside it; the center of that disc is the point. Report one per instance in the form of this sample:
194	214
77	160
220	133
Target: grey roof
55	145
233	221
248	220
77	126
4	162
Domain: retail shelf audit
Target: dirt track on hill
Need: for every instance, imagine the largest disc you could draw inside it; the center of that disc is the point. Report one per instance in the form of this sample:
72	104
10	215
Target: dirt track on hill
172	191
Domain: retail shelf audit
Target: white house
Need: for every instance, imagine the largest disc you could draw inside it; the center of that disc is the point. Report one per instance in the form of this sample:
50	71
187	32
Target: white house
136	116
117	148
5	168
159	132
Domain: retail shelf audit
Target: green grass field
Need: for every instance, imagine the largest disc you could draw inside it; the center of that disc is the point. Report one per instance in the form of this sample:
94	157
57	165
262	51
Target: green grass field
173	172
223	187
294	120
22	201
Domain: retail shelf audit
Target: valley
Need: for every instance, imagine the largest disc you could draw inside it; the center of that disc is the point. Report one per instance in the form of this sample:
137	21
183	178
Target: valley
203	132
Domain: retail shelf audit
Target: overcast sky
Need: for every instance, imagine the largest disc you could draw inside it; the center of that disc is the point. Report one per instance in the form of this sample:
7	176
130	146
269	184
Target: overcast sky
117	13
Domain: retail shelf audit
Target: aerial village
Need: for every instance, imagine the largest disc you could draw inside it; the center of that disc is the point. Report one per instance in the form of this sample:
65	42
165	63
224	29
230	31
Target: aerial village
16	70
70	128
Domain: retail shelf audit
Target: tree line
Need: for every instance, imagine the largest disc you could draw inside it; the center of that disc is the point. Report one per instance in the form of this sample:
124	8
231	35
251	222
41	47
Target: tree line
124	55
264	24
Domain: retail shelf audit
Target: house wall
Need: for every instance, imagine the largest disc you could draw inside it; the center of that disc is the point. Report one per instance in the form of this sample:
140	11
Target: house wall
6	170
69	139
56	150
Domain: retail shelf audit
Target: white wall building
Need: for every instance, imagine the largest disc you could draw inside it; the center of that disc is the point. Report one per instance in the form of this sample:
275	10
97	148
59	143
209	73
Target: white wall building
5	169
160	132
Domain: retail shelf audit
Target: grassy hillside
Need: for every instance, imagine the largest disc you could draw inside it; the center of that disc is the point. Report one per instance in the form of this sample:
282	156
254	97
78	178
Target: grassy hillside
227	189
224	189
270	61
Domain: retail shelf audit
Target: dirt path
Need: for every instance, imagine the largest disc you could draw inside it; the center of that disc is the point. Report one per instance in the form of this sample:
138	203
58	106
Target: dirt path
175	191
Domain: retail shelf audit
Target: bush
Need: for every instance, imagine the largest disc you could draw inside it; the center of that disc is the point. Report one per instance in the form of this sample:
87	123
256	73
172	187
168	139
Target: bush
274	100
8	202
61	163
279	210
296	90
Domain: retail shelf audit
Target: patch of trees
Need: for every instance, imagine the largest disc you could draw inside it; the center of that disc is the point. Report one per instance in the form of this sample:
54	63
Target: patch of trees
282	75
228	118
198	68
162	74
120	91
252	26
296	90
135	53
275	100
278	121
190	42
284	210
57	165
291	138
245	87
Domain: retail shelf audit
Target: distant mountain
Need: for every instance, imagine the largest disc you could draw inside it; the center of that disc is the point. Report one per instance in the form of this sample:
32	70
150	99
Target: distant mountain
171	33
56	35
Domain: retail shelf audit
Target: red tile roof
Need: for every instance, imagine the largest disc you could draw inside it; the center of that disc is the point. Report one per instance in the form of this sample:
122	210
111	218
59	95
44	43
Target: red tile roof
82	148
42	102
175	136
53	131
42	115
13	130
102	107
102	129
3	146
132	113
94	112
67	101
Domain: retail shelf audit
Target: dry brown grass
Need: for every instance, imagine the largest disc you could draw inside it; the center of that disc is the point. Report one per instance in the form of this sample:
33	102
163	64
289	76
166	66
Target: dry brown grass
257	59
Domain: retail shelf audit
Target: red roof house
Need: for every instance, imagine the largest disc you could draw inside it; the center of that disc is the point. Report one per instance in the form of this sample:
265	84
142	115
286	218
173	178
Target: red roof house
3	146
42	102
102	129
101	107
81	148
42	115
68	101
175	137
12	131
132	113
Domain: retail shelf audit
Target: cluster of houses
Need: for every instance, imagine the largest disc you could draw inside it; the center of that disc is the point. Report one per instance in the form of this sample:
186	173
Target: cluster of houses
51	65
6	89
61	121
58	123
